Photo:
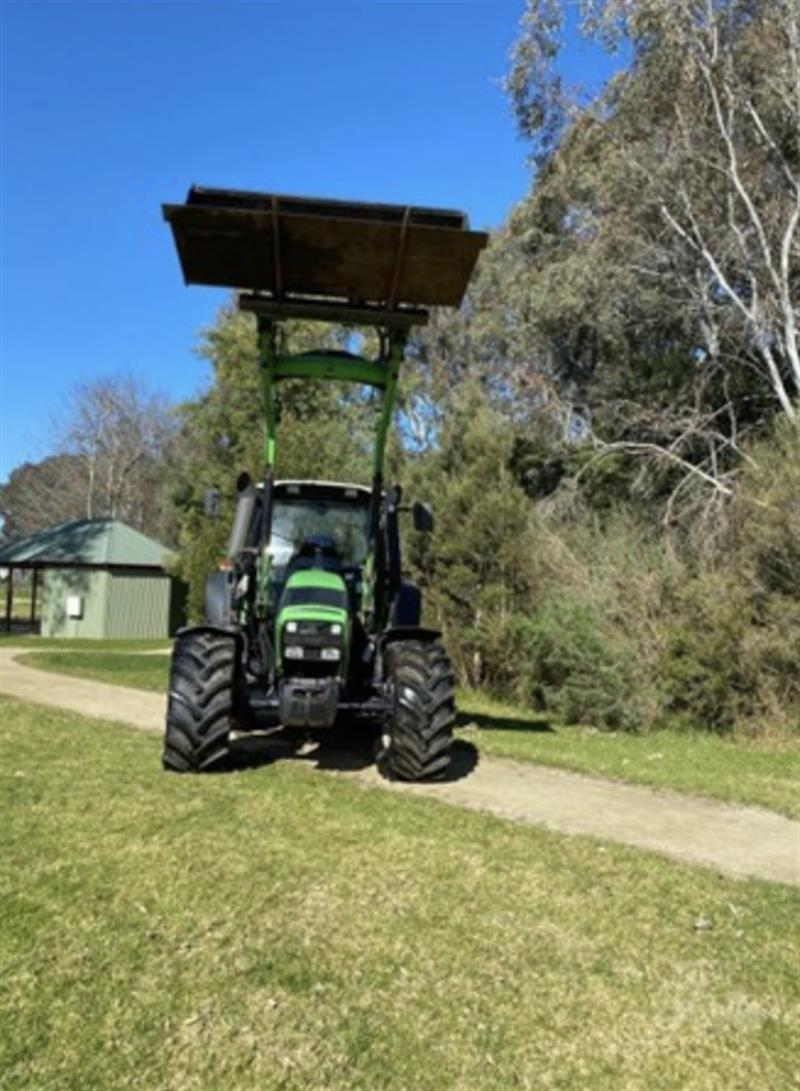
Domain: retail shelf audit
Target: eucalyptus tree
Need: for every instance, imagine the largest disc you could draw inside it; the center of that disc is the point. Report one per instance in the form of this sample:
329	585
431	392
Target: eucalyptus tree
659	249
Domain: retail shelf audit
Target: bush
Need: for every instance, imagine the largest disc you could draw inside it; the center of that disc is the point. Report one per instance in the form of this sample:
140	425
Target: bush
571	664
707	683
764	538
560	658
771	645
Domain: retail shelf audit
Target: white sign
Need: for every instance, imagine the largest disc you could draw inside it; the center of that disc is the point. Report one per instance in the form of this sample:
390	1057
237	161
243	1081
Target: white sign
75	606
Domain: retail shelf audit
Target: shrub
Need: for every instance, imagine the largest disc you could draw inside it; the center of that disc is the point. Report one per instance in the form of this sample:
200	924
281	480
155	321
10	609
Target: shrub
764	538
570	663
706	681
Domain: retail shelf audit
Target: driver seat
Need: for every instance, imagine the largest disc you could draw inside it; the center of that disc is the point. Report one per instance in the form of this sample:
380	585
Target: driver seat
316	551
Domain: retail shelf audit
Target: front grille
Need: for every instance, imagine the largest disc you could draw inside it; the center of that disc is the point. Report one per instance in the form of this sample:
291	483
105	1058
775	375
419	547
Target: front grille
312	637
312	643
310	628
314	654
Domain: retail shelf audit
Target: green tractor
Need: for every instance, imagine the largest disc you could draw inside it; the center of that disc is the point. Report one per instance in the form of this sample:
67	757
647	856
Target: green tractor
312	627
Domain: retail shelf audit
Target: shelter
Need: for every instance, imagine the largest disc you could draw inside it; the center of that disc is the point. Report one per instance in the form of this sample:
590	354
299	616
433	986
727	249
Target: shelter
95	578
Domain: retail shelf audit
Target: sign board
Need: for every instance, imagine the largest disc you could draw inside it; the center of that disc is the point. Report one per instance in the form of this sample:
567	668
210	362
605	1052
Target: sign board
75	606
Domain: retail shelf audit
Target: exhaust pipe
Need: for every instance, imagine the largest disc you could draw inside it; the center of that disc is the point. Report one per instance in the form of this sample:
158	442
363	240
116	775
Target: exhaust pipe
243	519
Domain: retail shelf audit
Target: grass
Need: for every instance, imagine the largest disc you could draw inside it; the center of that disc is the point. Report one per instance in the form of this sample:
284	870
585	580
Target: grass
704	764
275	928
49	643
121	668
732	769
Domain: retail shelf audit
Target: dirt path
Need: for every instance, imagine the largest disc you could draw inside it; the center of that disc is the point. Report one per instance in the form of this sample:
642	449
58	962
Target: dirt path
82	695
745	842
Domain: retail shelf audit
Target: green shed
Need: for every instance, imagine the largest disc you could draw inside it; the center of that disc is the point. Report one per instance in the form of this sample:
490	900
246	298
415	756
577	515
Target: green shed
96	578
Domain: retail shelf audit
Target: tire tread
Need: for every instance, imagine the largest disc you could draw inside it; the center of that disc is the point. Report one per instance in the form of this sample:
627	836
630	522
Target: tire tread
421	730
200	704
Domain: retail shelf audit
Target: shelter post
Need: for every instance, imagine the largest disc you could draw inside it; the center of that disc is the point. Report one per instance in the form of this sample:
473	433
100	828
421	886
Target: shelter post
34	585
9	597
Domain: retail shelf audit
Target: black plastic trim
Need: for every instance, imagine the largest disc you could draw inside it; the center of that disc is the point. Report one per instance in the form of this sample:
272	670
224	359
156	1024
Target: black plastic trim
408	632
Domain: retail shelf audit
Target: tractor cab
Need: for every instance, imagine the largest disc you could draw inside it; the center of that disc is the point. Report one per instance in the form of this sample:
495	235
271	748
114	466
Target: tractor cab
319	541
319	524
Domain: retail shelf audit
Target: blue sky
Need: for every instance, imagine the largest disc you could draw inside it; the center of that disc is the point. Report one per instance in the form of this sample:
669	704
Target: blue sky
109	109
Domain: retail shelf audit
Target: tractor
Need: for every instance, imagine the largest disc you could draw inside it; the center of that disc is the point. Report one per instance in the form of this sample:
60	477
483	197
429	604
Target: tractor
310	626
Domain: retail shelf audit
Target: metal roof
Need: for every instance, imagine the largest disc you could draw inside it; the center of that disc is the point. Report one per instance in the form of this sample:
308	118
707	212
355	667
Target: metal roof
96	542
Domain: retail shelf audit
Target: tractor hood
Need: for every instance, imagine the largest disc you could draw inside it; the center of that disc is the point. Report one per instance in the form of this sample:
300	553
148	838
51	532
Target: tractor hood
314	611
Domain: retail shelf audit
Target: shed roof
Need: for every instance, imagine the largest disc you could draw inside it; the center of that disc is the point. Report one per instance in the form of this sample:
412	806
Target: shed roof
86	542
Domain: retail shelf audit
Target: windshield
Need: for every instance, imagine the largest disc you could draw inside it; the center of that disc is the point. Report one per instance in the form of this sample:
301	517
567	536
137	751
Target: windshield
294	520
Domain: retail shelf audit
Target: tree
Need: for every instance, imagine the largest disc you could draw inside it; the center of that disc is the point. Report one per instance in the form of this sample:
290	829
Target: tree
112	455
657	262
121	435
42	494
743	65
475	571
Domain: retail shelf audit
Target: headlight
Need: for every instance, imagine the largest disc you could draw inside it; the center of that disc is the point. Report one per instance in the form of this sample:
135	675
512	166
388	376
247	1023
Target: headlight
293	651
331	653
291	626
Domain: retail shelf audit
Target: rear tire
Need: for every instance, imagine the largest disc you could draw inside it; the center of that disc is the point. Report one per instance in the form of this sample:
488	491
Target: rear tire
201	701
420	734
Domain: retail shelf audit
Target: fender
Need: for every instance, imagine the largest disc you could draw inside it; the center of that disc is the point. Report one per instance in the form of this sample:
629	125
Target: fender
205	627
408	632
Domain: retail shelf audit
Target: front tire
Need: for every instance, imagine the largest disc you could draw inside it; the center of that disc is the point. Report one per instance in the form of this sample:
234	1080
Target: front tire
420	735
201	701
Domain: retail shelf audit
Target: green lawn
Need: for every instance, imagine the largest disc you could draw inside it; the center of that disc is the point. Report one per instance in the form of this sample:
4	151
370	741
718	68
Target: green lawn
123	668
274	928
735	769
741	771
48	643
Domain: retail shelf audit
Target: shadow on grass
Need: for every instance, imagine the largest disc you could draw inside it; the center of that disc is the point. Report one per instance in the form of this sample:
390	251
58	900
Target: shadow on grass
501	723
253	751
355	757
334	755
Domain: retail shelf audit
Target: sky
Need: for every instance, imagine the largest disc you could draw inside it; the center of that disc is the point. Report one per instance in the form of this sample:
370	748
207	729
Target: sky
111	108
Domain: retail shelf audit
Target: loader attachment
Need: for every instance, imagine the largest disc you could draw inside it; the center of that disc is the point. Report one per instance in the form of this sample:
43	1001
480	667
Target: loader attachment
339	261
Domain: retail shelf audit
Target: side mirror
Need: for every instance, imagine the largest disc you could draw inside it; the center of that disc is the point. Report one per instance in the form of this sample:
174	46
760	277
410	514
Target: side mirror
422	517
211	503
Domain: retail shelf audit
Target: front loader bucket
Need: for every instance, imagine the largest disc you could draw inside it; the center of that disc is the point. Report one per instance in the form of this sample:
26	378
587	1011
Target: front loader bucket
300	254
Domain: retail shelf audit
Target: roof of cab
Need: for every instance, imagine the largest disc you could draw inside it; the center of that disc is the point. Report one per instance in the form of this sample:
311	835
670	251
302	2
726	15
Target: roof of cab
343	485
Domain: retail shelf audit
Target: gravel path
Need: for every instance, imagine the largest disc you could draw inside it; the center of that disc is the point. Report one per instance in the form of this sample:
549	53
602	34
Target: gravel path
743	842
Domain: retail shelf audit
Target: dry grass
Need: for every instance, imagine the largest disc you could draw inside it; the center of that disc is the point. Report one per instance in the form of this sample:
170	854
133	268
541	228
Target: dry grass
275	929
